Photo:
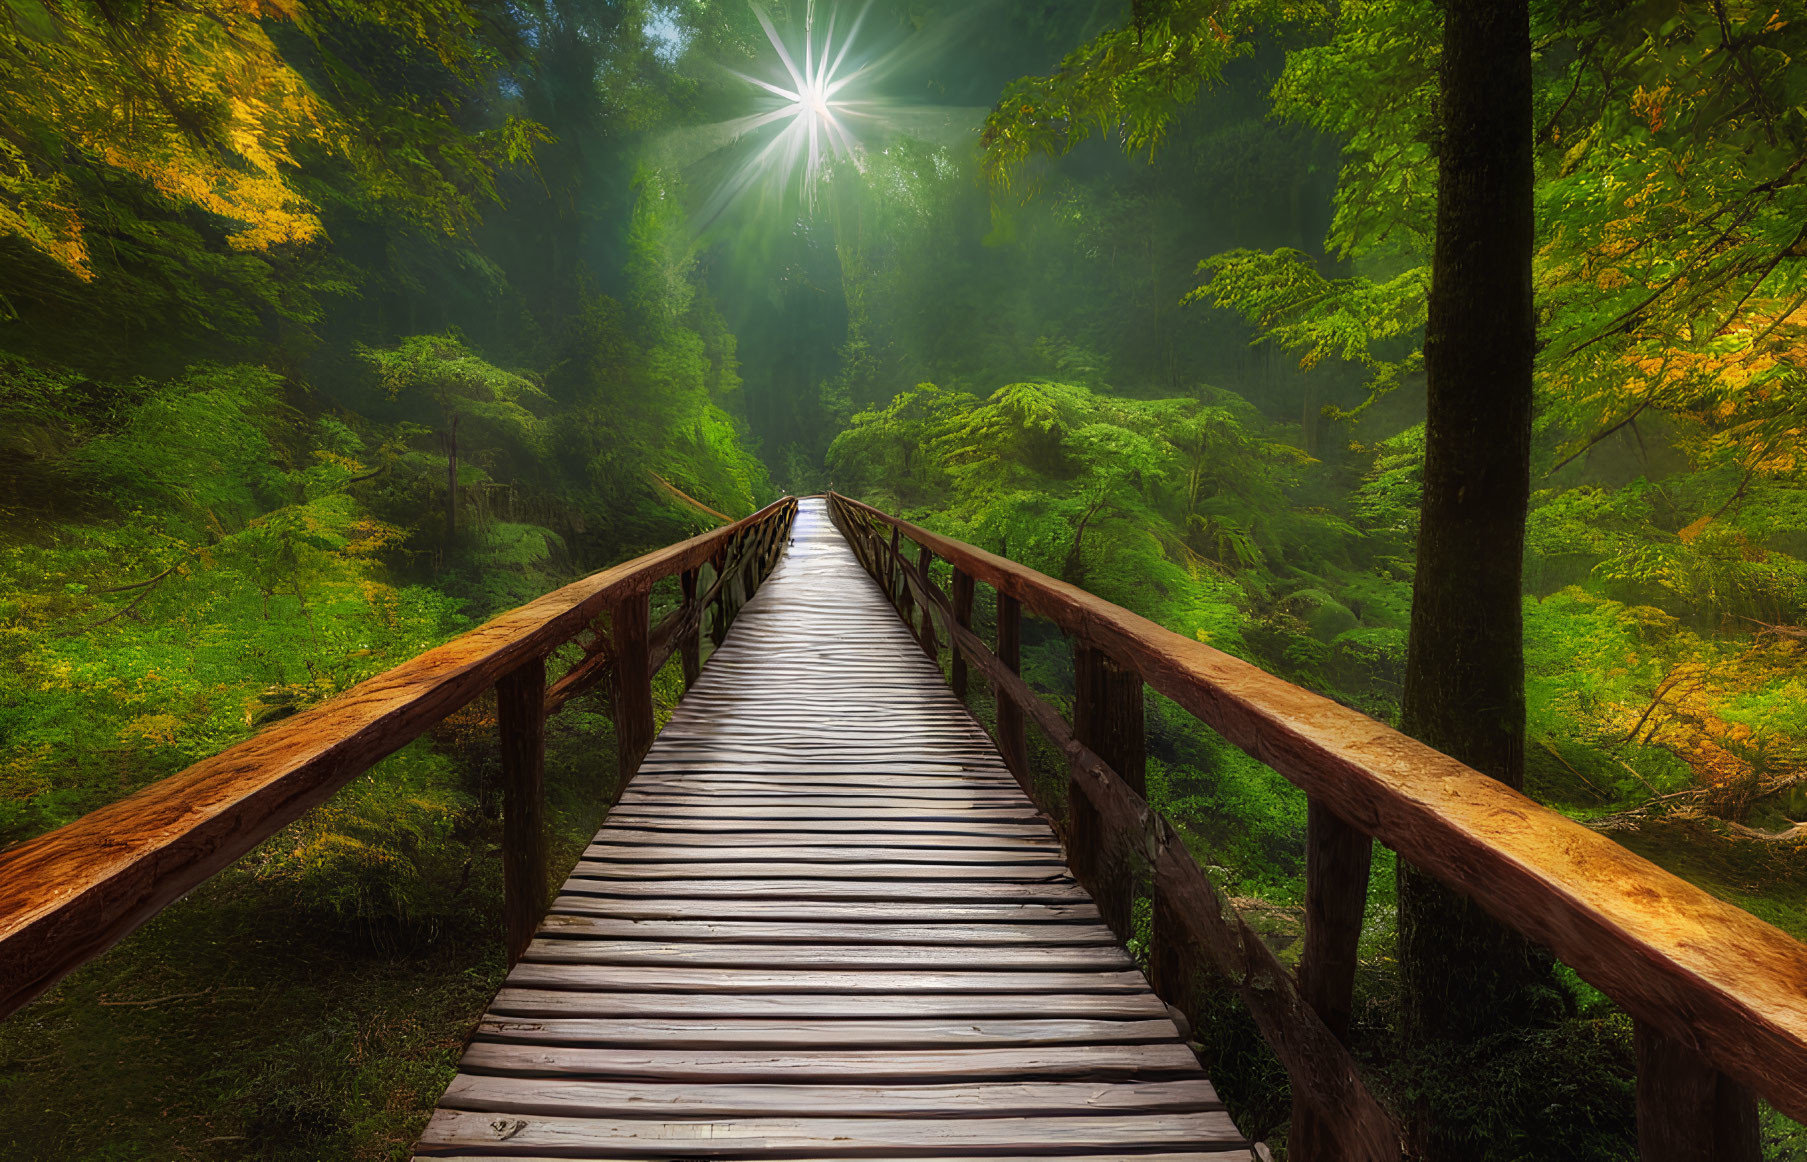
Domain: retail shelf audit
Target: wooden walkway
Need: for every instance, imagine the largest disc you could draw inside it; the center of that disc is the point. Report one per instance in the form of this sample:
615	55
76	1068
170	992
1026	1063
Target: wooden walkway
824	922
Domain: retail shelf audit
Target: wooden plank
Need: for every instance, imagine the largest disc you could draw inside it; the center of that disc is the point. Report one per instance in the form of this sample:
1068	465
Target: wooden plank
934	910
613	1099
842	816
534	1000
634	1155
712	1032
826	889
905	844
889	1065
69	895
904	825
651	852
530	973
521	715
1698	970
656	779
607	927
570	944
969	874
452	1131
801	796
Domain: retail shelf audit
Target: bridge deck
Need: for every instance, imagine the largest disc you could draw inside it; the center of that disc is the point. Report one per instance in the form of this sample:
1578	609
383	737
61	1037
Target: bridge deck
824	922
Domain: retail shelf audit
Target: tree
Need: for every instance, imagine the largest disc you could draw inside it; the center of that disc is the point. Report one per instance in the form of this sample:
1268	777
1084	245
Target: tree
1465	677
442	383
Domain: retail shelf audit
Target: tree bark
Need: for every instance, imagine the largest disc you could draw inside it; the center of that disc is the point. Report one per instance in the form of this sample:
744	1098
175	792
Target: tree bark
1466	976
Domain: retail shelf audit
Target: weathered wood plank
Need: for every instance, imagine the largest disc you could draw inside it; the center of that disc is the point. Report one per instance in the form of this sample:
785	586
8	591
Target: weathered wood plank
453	1131
875	1066
868	913
966	873
826	889
572	944
608	927
715	1032
614	1099
649	850
524	1000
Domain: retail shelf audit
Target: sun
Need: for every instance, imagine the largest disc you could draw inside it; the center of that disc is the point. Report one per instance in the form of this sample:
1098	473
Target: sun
817	102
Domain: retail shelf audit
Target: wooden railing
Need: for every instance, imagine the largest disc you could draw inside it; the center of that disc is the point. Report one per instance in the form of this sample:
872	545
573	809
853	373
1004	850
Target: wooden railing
69	895
1719	998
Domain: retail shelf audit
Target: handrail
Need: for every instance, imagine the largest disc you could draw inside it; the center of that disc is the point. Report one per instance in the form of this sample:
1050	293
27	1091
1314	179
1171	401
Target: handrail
1711	987
69	895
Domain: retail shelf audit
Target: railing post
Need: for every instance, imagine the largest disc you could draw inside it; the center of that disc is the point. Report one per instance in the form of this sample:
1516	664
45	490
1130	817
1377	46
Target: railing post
718	624
894	582
1013	742
963	617
633	685
1108	719
927	637
737	575
765	553
691	647
906	600
521	720
1687	1110
1337	859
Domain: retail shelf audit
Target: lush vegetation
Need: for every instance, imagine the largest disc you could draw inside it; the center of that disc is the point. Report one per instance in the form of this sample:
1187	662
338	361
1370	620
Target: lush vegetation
329	329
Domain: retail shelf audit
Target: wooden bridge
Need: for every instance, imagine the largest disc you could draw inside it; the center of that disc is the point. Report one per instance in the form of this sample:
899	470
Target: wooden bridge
832	916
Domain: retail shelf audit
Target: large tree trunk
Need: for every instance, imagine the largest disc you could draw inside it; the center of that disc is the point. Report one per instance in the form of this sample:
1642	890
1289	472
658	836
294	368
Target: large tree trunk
1466	976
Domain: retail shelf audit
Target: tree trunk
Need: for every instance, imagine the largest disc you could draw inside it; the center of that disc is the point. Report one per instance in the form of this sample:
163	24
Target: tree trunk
1466	976
451	482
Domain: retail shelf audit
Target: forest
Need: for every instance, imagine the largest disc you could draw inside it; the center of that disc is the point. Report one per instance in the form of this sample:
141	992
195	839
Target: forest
331	328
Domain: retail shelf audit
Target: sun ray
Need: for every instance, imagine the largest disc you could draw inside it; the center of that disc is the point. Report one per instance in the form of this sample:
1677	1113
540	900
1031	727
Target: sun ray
816	106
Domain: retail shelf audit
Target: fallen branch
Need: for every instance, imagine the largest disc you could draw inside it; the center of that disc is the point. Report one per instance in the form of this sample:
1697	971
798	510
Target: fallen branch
1795	834
130	606
145	584
1797	633
158	1000
1557	755
688	499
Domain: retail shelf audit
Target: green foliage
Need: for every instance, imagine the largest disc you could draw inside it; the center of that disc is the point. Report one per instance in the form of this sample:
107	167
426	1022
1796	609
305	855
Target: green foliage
1133	79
